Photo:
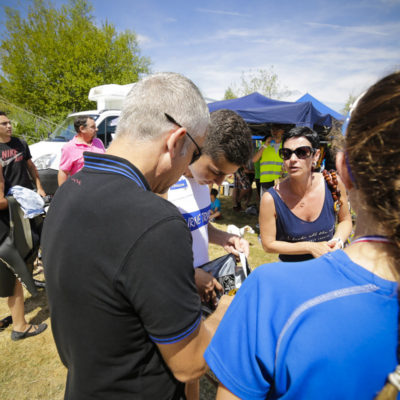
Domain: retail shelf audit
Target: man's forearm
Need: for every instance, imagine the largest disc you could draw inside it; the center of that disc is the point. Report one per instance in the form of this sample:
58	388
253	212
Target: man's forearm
33	172
217	236
61	177
215	318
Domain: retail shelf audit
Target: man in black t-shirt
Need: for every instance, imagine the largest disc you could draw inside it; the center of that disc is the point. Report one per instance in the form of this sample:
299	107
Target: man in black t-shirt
15	165
16	159
125	312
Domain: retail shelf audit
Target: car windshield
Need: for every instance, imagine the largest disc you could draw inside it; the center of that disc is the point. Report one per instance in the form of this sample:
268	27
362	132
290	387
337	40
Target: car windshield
66	131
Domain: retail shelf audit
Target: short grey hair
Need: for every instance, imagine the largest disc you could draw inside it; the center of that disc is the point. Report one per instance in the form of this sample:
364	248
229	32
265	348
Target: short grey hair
143	113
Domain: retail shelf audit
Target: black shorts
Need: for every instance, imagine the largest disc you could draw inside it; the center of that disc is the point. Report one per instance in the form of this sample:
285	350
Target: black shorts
250	177
265	186
7	281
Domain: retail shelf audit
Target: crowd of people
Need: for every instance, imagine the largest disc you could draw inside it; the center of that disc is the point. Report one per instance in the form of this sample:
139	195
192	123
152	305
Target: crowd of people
128	231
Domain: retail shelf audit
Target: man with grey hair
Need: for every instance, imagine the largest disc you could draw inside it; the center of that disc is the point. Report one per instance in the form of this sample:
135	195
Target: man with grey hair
118	261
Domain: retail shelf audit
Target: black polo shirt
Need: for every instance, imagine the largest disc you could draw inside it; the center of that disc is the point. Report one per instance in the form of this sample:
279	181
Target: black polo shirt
119	272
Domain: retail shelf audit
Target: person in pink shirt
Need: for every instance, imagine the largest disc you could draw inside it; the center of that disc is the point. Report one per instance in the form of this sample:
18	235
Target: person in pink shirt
72	153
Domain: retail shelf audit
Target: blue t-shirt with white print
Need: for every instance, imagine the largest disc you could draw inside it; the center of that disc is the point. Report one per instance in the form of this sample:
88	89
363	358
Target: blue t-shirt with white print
319	329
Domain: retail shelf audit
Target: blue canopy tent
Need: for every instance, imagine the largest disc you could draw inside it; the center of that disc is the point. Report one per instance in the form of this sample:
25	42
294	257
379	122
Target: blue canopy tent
322	108
257	109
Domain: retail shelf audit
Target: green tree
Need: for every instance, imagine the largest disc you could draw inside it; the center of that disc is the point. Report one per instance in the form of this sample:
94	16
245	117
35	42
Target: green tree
350	100
51	59
264	81
229	94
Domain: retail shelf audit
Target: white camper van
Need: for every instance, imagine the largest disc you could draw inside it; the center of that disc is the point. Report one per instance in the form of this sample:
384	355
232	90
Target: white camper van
46	153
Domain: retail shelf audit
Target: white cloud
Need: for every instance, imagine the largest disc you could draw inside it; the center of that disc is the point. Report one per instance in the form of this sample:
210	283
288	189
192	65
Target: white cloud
221	12
328	60
370	30
143	39
391	2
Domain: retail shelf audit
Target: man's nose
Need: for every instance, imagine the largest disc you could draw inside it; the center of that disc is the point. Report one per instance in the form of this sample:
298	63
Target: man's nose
219	180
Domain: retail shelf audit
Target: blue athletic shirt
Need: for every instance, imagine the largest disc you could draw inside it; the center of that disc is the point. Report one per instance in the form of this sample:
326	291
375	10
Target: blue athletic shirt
320	329
290	228
216	205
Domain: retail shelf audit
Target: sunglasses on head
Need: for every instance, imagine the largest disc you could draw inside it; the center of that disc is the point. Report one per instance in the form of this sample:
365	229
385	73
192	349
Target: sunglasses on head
301	152
196	154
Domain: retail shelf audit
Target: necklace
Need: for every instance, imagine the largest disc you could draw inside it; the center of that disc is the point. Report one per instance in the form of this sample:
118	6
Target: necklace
372	238
302	202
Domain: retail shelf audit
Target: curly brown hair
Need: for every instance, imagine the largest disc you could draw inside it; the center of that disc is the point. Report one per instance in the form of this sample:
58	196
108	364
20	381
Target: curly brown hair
229	137
373	153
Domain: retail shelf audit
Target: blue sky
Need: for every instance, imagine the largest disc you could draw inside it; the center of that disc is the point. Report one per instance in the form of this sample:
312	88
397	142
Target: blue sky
328	48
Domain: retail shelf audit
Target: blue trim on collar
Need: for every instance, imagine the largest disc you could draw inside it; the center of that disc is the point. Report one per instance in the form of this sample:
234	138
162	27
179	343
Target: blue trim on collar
181	184
125	170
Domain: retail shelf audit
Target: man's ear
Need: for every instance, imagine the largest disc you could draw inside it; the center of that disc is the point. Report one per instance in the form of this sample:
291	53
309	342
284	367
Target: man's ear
175	141
341	167
317	154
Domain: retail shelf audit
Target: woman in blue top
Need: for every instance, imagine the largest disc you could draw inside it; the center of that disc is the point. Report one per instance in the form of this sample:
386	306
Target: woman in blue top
297	216
327	328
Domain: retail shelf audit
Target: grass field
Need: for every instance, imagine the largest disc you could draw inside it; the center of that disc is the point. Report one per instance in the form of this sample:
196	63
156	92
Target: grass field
31	369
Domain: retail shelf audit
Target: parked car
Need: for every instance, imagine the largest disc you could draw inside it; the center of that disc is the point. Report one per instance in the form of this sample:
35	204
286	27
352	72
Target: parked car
46	154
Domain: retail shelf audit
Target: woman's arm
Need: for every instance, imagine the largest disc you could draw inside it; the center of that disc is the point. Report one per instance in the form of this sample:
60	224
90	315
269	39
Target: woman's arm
224	394
345	225
267	222
257	155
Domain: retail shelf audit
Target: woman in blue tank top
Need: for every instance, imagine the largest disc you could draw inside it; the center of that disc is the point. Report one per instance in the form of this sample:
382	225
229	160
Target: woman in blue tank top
297	216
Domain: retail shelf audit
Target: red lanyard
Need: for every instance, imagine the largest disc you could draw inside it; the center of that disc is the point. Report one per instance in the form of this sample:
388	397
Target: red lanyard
372	238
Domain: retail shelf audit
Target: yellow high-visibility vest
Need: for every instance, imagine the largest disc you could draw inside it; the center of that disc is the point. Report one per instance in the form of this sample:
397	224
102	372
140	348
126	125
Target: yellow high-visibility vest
270	164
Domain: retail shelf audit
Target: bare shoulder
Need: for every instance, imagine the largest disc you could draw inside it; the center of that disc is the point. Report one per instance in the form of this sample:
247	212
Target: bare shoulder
282	188
267	204
267	198
318	176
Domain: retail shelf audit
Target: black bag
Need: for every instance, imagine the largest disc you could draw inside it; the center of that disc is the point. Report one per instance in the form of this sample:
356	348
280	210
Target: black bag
228	274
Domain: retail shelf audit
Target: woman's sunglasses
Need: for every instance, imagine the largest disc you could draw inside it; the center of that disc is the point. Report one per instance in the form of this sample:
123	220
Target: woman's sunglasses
301	152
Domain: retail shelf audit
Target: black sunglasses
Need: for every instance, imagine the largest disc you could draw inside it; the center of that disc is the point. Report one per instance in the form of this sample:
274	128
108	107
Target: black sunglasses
301	152
196	154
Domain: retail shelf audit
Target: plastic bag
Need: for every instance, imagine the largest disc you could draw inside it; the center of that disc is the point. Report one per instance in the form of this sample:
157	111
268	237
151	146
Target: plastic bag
228	274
